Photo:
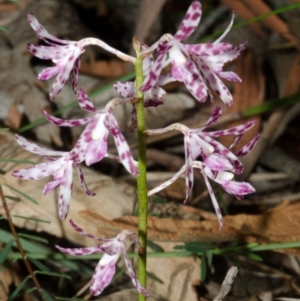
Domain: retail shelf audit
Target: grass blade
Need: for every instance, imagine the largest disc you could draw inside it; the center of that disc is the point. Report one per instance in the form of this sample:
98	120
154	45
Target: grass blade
22	194
5	250
18	289
33	237
32	219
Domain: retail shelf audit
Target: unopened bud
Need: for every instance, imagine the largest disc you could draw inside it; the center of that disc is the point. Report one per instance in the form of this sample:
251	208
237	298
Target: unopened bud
136	44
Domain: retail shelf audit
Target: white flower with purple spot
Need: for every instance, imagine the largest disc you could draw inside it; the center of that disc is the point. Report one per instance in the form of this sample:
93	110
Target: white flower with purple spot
92	142
64	54
219	163
196	65
224	178
106	268
60	167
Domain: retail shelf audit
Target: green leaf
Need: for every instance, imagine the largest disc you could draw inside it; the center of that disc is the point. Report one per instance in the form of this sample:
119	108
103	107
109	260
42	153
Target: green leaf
3	29
210	257
17	161
198	248
28	246
154	277
12	198
32	219
71	265
158	200
46	295
33	237
251	245
18	289
179	247
154	247
30	290
271	105
53	274
22	194
203	267
283	245
2	172
38	264
4	129
254	257
5	250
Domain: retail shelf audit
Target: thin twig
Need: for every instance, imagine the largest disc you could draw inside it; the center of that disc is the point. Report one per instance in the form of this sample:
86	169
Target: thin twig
19	245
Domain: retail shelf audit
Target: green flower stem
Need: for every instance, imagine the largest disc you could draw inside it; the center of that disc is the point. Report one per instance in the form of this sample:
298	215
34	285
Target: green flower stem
142	179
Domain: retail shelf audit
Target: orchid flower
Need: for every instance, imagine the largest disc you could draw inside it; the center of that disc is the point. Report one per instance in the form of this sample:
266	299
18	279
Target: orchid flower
196	65
60	167
106	268
152	97
93	140
219	163
65	54
224	178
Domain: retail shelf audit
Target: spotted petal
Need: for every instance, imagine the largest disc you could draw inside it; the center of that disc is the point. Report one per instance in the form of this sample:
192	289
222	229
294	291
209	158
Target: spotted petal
237	188
168	182
67	123
82	232
39	171
153	76
189	174
34	148
214	200
82	182
84	101
64	73
190	21
125	89
208	49
247	148
80	251
56	52
65	192
42	33
132	275
236	131
103	274
217	162
122	146
76	68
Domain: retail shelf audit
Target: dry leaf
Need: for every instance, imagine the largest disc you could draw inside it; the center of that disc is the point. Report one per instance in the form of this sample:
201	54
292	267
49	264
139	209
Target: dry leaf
280	224
242	10
252	8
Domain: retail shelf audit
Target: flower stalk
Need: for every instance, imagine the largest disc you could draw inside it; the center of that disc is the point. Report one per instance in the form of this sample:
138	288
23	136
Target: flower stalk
141	179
